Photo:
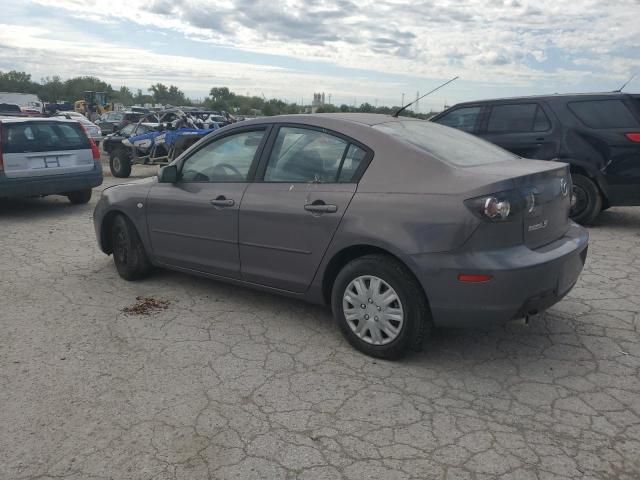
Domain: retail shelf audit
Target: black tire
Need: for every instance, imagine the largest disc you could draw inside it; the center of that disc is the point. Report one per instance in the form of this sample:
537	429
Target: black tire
79	197
417	324
128	252
119	163
587	201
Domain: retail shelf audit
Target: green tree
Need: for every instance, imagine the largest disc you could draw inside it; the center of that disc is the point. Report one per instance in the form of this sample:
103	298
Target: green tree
19	82
52	89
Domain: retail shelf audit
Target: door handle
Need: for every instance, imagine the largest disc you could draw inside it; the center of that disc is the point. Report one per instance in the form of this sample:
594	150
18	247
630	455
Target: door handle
320	208
222	201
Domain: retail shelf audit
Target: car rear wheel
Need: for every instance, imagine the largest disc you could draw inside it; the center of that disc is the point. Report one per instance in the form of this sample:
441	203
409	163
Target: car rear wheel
380	307
80	197
586	201
119	164
128	252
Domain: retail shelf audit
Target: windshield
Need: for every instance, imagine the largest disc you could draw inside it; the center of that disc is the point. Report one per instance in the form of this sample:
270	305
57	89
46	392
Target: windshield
446	144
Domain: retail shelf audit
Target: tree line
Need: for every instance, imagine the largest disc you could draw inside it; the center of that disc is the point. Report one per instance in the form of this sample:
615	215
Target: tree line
54	89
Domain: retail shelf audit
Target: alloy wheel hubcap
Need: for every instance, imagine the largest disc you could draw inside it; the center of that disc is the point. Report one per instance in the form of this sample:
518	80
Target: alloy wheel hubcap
373	310
116	163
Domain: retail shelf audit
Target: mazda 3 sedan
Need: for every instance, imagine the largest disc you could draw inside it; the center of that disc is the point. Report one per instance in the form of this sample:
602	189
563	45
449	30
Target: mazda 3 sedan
398	224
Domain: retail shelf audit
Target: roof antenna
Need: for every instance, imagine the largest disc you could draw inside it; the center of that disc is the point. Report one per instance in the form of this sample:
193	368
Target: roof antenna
626	83
395	115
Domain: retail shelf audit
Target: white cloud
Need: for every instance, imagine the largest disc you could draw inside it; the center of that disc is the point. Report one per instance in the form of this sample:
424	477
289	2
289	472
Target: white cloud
493	43
483	39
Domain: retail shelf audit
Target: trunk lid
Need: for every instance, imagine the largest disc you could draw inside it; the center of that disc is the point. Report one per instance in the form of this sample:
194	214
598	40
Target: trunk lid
40	148
541	193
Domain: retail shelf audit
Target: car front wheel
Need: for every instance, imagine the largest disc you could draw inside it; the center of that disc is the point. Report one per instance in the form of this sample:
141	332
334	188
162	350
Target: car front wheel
128	251
119	164
380	307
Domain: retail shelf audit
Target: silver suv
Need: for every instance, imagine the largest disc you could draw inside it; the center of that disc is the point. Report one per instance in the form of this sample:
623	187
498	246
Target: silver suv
43	156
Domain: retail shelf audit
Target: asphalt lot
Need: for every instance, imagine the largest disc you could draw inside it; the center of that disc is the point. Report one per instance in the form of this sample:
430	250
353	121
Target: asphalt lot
228	383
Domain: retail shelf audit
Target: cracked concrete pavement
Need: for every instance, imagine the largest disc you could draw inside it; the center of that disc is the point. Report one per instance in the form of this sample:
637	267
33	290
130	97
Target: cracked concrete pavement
229	383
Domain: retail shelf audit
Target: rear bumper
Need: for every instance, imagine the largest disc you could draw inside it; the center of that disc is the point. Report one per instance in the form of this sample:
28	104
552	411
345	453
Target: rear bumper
524	281
50	185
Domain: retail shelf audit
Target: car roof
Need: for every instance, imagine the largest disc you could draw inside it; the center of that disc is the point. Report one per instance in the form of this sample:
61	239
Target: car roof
369	119
34	119
559	96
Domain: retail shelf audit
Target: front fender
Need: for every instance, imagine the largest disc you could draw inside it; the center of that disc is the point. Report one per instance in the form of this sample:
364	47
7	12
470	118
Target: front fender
129	199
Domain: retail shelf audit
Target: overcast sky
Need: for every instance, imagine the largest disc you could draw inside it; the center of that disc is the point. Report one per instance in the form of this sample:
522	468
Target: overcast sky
357	51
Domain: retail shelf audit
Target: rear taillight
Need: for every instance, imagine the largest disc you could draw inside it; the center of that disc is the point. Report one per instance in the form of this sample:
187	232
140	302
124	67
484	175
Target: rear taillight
634	137
95	151
499	207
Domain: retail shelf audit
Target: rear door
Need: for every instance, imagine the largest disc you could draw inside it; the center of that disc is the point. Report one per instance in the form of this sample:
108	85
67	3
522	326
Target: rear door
288	219
39	148
525	129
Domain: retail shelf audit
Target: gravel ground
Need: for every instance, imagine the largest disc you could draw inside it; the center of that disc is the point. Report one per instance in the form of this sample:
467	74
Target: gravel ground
206	380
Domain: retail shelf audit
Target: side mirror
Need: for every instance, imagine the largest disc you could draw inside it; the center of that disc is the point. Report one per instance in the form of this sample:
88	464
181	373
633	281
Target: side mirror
168	174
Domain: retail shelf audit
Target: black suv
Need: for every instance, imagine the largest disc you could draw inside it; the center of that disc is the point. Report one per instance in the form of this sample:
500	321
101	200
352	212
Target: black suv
597	134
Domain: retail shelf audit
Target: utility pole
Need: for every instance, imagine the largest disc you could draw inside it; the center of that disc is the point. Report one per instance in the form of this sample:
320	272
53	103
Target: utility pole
329	99
402	102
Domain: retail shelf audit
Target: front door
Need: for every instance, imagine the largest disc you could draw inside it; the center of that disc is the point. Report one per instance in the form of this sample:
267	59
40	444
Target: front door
288	219
193	223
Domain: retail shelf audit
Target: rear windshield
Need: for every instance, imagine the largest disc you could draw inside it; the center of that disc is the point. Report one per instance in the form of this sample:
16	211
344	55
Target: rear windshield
446	144
27	137
9	107
604	114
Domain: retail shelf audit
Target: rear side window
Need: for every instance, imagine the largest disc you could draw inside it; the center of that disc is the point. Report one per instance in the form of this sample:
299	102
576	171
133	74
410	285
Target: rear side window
305	155
524	117
461	118
446	144
43	137
132	117
604	114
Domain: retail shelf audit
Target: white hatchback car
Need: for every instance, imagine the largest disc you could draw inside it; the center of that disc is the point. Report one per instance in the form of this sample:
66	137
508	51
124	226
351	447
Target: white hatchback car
44	156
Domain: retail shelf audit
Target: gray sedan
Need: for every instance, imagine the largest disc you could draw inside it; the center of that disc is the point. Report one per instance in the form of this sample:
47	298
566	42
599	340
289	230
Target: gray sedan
398	224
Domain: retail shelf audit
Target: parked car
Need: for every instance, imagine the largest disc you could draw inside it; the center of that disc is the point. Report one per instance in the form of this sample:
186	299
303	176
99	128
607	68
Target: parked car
93	131
44	156
397	223
597	134
111	122
11	110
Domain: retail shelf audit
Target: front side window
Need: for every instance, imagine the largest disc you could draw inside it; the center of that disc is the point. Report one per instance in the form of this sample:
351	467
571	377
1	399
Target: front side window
302	155
524	117
461	118
228	159
604	114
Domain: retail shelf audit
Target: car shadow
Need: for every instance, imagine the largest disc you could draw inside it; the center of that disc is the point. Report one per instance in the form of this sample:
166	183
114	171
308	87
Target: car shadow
40	207
623	218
